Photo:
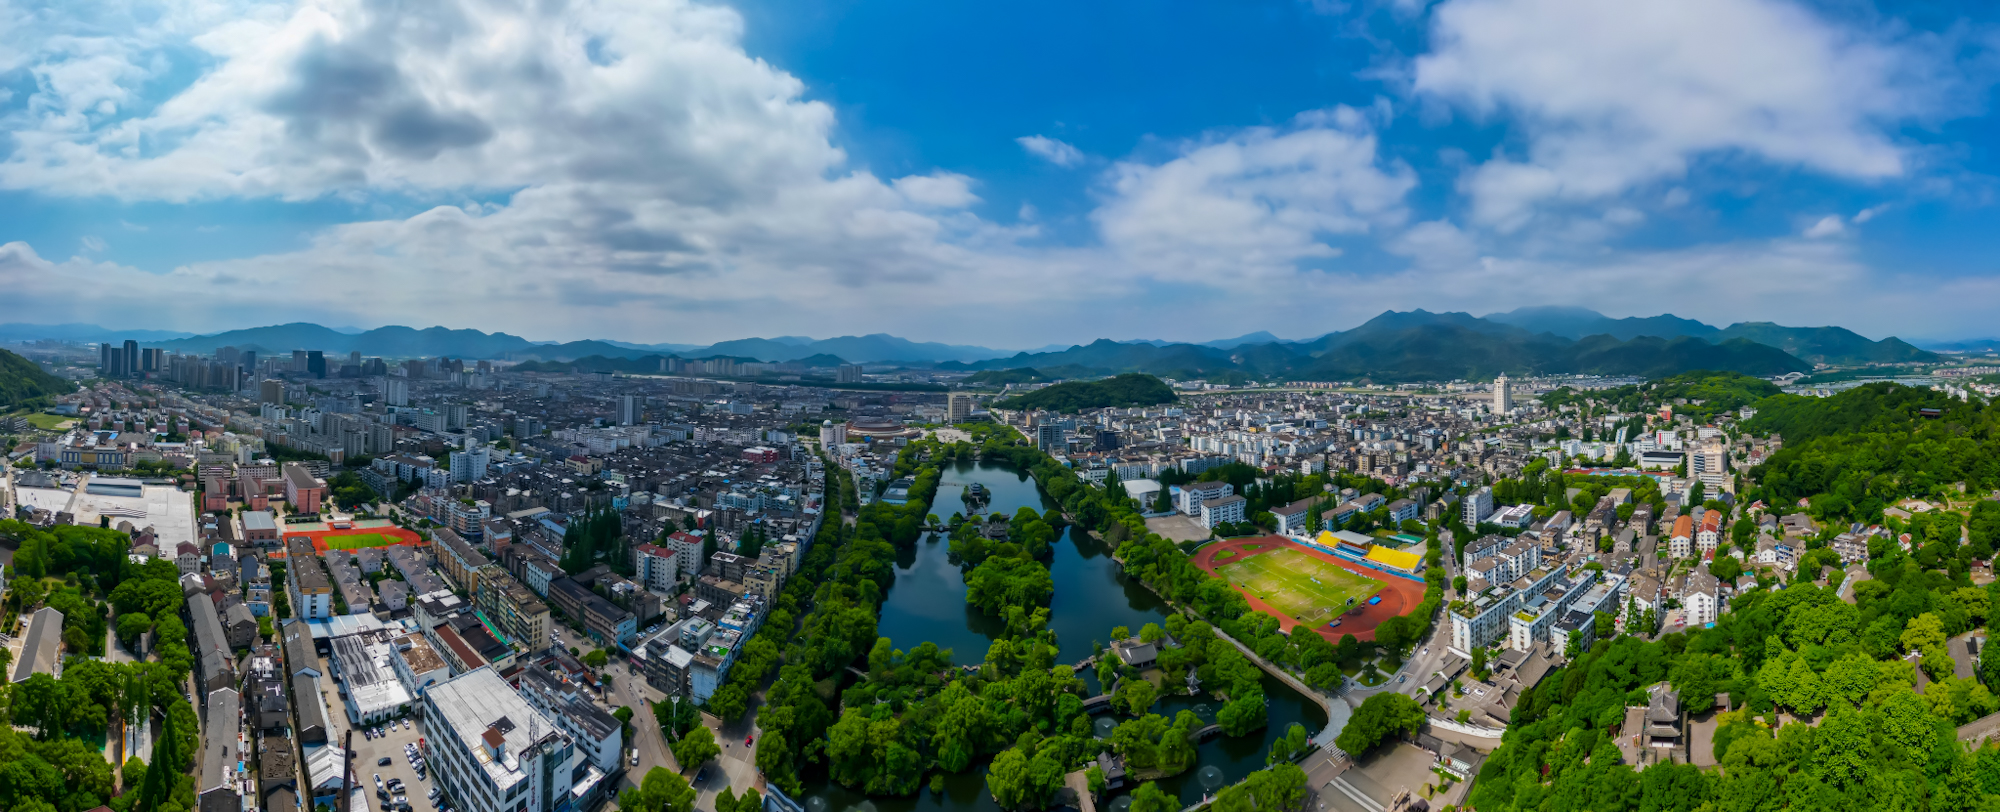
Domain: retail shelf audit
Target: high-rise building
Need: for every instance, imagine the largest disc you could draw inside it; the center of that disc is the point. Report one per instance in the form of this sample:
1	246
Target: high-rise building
455	415
1050	437
1503	395
628	410
832	434
315	363
469	465
248	362
298	360
396	391
960	406
847	373
1477	506
271	391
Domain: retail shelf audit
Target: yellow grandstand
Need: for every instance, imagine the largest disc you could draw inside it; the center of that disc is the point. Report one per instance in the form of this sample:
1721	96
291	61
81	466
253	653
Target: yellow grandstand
1395	559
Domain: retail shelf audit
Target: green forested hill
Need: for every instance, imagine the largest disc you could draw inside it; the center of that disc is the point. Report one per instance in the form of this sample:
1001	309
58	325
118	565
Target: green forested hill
1412	346
23	384
1130	389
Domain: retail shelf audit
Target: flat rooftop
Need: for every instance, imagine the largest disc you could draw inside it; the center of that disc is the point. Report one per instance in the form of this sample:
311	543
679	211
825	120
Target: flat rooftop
477	703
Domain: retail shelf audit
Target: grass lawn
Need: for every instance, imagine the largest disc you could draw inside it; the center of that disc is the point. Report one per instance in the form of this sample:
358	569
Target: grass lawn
358	541
48	422
1311	590
1225	555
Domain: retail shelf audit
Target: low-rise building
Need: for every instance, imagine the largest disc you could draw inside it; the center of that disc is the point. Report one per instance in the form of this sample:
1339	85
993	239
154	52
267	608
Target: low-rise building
492	751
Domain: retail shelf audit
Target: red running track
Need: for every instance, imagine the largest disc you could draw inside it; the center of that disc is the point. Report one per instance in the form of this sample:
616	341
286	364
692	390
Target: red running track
1398	595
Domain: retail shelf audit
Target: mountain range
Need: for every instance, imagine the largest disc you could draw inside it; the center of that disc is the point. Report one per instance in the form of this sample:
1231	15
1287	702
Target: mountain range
394	342
1414	346
1393	346
1819	345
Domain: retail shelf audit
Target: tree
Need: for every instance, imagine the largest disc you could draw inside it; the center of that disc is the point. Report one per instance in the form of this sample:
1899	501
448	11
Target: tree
1150	798
1019	781
661	791
696	748
596	658
1288	746
1136	695
1152	633
1379	716
130	626
1924	631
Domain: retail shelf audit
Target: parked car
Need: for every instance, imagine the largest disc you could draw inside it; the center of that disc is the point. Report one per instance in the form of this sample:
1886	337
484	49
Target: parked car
382	762
378	780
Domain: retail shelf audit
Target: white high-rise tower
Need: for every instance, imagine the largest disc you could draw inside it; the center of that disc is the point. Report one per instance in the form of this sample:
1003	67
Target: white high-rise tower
1503	395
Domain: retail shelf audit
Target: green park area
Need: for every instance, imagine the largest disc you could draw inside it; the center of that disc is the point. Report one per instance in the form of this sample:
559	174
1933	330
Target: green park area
1310	589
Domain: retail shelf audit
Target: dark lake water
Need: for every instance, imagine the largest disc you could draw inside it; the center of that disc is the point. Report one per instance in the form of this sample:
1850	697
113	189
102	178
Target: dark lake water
1092	595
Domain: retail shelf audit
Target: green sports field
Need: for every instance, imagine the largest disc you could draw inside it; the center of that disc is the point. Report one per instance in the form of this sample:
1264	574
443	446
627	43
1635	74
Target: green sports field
358	541
1312	591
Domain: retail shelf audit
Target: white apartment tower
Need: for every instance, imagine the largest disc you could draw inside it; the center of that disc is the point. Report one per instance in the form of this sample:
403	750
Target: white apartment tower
396	391
628	410
832	434
1503	395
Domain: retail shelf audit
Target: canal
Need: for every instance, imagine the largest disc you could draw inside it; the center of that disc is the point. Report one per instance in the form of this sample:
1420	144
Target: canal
1092	595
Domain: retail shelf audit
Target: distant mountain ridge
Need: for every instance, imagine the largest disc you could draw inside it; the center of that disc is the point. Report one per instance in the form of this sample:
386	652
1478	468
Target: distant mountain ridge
1418	345
1819	345
1401	343
435	341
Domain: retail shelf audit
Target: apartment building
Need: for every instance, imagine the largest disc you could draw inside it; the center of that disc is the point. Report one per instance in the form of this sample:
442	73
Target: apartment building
1484	618
493	752
306	580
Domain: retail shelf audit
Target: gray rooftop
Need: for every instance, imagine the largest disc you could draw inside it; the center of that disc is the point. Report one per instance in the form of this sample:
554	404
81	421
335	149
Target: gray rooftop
38	652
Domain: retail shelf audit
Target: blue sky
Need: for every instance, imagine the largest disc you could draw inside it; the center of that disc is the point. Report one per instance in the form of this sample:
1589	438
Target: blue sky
1008	174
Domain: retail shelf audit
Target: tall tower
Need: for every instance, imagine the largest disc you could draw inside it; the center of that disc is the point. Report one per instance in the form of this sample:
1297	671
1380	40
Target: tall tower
1503	395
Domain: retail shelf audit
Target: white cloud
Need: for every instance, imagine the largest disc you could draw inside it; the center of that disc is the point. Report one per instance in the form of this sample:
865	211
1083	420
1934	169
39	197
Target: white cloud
1869	213
642	161
1051	150
1614	95
941	189
638	175
1434	244
1828	226
93	244
1253	202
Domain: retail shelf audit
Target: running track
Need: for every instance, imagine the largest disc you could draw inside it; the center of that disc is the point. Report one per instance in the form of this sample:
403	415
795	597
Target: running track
1398	595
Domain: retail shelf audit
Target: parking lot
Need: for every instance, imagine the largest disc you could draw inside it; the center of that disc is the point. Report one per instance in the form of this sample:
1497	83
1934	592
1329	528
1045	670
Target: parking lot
368	751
